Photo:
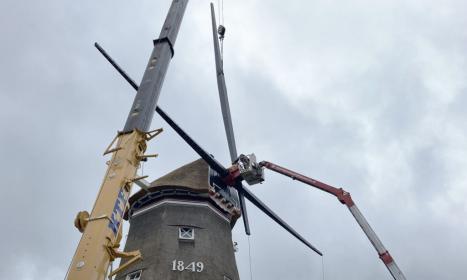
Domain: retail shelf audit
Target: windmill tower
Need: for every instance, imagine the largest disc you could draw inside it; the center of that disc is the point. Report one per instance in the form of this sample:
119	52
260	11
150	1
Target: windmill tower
182	227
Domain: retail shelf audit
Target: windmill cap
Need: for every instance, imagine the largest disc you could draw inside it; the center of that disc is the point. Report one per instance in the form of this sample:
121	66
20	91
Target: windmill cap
193	176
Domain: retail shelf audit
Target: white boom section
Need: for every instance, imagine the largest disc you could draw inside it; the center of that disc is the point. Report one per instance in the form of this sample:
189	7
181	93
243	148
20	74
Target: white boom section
382	252
345	198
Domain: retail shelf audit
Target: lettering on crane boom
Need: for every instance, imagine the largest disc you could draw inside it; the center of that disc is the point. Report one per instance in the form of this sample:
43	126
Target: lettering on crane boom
117	213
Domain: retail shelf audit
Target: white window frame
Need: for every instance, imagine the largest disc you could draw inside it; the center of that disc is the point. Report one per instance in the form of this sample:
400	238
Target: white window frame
183	233
131	274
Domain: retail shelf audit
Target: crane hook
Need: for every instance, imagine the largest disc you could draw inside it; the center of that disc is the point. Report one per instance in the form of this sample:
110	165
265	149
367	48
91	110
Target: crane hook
221	32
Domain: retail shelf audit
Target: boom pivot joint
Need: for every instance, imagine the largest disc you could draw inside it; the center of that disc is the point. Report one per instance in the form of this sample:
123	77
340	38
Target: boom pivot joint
344	197
245	168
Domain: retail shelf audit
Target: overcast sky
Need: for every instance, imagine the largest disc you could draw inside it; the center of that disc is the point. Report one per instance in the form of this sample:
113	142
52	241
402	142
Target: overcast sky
365	95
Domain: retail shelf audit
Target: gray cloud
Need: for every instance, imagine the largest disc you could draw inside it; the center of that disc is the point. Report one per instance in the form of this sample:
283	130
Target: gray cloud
365	95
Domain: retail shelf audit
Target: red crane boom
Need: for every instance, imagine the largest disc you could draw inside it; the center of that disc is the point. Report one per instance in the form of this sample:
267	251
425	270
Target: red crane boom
345	198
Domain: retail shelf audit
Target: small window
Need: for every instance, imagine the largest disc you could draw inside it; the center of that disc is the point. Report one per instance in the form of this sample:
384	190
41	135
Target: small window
134	275
227	278
186	233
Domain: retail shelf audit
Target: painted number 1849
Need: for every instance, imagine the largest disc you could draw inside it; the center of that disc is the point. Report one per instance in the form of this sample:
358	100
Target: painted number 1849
193	266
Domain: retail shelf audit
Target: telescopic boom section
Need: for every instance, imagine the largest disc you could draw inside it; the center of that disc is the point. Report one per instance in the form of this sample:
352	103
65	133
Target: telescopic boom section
145	102
102	228
345	198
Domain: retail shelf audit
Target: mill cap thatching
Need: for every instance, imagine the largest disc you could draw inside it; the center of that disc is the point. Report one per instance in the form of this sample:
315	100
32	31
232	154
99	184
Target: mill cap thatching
193	176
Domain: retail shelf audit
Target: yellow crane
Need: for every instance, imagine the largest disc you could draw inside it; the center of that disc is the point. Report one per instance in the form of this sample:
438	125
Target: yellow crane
102	228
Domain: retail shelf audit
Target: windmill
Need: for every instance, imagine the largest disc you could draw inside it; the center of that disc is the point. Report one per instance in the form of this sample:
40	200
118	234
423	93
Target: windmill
193	208
180	224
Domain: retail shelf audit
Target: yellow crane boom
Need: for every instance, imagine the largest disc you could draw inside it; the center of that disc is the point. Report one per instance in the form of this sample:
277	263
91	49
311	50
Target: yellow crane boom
102	228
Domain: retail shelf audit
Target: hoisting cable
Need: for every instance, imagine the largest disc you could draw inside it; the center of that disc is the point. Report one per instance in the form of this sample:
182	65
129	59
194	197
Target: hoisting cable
223	18
68	270
249	258
221	28
322	265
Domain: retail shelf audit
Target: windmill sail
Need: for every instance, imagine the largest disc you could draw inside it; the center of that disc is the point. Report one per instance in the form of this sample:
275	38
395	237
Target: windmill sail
224	99
215	165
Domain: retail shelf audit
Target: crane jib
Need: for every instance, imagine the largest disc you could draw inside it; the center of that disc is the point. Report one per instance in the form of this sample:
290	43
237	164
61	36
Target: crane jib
145	102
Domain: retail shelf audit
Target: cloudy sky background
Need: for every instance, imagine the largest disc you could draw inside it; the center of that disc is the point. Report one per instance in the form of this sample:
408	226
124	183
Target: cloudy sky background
365	95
